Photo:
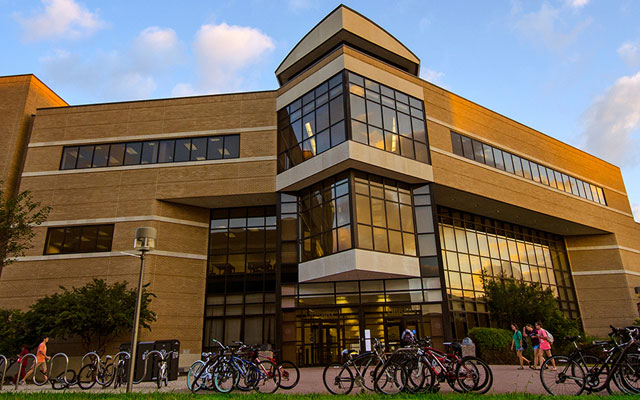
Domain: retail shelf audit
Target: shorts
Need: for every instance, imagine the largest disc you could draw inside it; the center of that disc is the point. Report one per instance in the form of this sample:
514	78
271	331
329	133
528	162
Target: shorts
42	366
536	347
521	349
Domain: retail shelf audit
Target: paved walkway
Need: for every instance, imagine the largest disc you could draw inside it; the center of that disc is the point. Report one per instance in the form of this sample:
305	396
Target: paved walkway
506	379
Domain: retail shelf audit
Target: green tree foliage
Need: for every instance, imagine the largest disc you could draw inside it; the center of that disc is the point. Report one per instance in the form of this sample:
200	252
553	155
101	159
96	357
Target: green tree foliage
523	303
97	313
18	215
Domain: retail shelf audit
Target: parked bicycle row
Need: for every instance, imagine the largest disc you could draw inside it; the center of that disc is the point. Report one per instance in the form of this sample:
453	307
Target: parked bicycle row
242	367
416	368
106	371
595	367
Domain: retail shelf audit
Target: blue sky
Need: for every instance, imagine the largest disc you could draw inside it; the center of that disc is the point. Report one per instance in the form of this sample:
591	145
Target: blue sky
569	68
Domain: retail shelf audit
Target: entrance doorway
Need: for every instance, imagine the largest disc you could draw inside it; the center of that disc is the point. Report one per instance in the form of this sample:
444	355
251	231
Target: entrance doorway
394	326
322	342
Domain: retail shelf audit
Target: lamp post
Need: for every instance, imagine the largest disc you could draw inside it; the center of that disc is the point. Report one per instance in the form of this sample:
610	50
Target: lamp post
144	242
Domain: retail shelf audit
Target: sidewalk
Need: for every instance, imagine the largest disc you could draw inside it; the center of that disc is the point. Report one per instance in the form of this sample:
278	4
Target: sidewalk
506	379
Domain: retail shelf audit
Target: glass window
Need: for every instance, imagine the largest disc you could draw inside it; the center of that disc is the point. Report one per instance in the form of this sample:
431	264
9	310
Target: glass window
132	153
79	239
100	155
166	149
215	148
232	146
150	152
69	158
85	155
116	154
456	144
198	149
183	150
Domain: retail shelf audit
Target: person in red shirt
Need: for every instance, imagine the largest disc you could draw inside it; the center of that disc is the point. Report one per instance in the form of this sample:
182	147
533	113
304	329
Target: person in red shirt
41	361
23	362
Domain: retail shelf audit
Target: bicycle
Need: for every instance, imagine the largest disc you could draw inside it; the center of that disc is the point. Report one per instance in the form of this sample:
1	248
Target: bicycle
163	368
66	378
97	371
200	375
573	374
339	378
261	375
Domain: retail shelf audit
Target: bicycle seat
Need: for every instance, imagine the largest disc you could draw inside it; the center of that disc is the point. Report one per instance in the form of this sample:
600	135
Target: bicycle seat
347	352
600	342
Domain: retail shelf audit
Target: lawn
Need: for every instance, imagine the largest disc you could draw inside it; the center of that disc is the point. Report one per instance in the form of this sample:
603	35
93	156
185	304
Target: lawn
254	396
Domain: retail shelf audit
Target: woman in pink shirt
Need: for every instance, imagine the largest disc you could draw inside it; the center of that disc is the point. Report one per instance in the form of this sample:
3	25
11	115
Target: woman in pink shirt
545	346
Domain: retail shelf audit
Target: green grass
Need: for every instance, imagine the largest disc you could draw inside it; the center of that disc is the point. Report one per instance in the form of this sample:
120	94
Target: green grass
254	396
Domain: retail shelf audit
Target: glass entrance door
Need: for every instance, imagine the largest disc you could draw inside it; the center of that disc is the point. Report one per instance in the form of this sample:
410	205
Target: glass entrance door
322	342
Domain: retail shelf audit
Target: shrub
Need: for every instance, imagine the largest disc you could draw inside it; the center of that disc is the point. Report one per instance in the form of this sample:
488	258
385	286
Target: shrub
493	345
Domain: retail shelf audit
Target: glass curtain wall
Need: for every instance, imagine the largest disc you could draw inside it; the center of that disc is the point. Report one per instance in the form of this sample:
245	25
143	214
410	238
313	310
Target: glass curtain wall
475	246
241	300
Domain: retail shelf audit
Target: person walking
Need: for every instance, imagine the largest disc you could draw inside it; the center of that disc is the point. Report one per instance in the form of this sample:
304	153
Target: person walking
545	345
24	350
518	342
535	345
41	361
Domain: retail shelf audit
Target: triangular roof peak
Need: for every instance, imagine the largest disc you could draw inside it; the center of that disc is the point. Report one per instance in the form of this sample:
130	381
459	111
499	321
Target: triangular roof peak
346	26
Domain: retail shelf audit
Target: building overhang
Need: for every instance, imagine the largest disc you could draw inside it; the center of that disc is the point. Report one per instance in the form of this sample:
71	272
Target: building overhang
353	155
358	264
346	26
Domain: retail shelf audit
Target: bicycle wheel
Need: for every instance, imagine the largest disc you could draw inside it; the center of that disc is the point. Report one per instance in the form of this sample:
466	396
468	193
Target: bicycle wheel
64	380
195	375
247	376
420	375
566	378
391	378
289	375
225	377
160	376
366	365
337	378
120	376
105	375
629	371
474	375
87	377
268	377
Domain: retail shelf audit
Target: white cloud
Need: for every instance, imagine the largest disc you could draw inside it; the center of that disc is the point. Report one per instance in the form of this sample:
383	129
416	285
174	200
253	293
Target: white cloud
636	211
157	48
300	5
577	3
613	121
60	19
630	53
546	26
123	74
431	76
222	53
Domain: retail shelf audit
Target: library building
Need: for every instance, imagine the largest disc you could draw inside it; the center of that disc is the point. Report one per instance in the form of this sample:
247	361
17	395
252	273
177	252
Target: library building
356	200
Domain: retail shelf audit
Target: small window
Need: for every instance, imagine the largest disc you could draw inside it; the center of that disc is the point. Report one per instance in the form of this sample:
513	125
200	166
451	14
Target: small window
165	153
183	150
133	153
100	155
198	149
150	152
116	155
85	155
79	239
69	158
215	149
232	146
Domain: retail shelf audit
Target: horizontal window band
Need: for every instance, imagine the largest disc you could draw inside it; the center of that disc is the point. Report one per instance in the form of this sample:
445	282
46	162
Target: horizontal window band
151	137
605	272
145	166
161	253
461	158
158	218
519	154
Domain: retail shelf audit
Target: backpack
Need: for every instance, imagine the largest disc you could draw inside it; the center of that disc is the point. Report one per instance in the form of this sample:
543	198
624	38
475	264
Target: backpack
549	337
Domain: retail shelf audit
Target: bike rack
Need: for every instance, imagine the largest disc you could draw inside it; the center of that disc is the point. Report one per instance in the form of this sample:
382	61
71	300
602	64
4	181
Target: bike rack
66	367
89	354
19	362
4	361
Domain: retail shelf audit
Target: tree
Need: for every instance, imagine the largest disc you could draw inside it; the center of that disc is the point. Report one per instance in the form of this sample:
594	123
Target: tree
510	300
18	215
97	313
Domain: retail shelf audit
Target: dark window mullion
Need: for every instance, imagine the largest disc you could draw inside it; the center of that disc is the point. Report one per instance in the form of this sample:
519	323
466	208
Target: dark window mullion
346	105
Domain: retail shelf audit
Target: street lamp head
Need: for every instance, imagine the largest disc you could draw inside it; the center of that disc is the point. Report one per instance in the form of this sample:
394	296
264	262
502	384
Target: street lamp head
145	239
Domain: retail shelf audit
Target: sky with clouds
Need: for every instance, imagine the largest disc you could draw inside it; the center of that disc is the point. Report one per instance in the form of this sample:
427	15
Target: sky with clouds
569	68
